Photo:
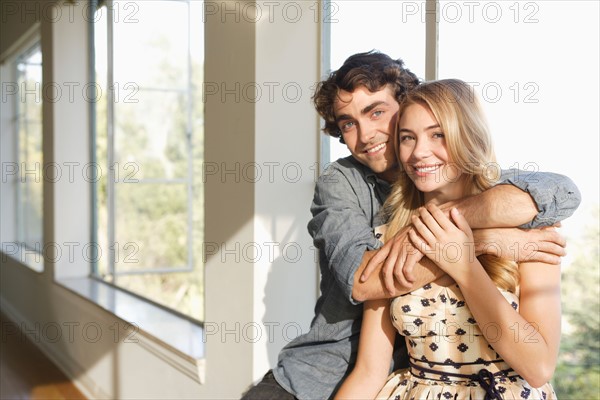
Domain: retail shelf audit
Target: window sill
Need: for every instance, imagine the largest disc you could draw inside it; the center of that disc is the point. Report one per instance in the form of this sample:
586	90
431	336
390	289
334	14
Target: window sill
174	339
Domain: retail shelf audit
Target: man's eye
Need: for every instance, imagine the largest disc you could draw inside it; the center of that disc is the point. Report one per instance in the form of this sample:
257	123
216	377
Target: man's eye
347	126
377	113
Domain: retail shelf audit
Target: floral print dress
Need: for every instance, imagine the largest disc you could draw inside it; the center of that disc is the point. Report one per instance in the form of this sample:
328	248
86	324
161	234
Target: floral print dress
449	356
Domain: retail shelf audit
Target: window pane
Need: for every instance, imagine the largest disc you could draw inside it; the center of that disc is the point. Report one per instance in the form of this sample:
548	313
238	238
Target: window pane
151	133
151	220
150	208
391	27
153	34
29	122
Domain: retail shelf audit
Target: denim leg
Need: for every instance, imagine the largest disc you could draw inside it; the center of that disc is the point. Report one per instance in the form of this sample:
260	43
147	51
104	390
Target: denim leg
267	389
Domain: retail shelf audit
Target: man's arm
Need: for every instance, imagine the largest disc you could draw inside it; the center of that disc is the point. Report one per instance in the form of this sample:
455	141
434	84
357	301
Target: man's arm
525	199
521	199
544	245
374	287
340	228
341	224
501	206
556	196
521	245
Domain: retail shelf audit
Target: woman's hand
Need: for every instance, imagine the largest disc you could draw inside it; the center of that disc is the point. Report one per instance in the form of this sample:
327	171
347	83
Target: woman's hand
448	243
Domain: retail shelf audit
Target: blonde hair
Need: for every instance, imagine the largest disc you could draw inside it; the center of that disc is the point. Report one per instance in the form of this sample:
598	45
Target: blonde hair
460	116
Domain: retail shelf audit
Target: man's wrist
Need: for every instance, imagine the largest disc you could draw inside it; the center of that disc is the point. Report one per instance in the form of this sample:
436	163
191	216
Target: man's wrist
486	242
471	208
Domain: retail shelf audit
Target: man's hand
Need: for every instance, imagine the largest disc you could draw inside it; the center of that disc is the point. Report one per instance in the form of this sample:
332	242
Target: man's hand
545	245
399	257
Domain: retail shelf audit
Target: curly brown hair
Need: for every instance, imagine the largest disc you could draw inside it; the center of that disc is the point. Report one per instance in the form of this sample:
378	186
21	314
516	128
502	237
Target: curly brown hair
373	70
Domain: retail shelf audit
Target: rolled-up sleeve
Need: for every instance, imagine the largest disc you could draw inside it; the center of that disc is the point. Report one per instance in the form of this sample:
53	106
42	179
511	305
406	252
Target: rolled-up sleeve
556	196
340	228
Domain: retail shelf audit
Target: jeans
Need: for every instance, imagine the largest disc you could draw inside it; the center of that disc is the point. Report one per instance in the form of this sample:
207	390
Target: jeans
267	389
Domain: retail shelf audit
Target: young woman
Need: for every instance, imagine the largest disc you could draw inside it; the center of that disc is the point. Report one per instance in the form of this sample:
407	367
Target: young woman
489	329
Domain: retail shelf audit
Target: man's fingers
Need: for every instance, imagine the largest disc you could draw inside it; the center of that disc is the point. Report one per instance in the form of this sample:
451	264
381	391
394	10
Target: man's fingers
547	258
368	270
552	248
388	270
381	254
374	262
550	234
407	273
388	279
409	264
554	236
400	271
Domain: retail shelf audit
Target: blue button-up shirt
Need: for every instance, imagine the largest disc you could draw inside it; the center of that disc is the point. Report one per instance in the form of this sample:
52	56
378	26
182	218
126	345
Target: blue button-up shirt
345	209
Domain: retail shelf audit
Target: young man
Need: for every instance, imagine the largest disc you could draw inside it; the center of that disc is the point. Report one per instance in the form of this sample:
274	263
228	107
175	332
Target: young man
359	103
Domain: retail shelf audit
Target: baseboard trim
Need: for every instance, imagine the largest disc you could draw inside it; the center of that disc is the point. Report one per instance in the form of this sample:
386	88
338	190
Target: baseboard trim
70	367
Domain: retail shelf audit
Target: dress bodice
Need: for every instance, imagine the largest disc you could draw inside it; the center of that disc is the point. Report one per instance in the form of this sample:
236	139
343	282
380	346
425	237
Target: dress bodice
449	356
442	334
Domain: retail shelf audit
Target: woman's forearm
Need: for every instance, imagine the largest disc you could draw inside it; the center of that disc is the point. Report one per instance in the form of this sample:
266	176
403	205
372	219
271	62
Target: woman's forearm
375	349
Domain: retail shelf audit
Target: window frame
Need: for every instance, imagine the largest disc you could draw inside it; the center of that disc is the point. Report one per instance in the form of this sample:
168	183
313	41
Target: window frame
112	176
18	245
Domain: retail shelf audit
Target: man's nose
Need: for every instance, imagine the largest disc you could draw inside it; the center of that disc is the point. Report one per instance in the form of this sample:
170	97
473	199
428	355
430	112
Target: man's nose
367	132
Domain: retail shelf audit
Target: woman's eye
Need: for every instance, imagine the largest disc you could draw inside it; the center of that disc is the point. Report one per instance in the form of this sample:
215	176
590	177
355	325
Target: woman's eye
404	138
438	135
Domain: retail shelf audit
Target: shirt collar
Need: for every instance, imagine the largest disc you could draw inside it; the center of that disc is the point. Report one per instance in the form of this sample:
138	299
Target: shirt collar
370	176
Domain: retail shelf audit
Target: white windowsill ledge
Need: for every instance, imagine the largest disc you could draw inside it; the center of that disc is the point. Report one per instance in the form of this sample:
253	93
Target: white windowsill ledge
174	339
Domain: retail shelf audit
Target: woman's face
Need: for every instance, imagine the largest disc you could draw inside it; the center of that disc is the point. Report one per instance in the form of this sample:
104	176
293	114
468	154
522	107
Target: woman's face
424	154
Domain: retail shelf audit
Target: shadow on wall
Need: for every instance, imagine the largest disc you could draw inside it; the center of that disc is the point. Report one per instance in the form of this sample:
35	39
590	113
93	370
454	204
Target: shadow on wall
285	318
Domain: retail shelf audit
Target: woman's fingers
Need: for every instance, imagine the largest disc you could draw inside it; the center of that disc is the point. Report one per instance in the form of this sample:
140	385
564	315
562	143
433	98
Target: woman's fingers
440	218
430	221
461	222
423	231
418	242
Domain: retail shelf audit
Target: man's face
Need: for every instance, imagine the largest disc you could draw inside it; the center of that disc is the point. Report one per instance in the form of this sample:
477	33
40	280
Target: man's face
367	121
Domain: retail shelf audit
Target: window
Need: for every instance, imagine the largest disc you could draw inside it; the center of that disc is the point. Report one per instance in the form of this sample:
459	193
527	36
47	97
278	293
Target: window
149	147
22	161
360	26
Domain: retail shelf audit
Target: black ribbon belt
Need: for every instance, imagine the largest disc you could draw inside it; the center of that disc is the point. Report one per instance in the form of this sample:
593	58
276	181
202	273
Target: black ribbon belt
485	378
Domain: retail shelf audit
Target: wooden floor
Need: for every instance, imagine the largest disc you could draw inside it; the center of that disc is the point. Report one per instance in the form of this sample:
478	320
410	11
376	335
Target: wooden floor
25	372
